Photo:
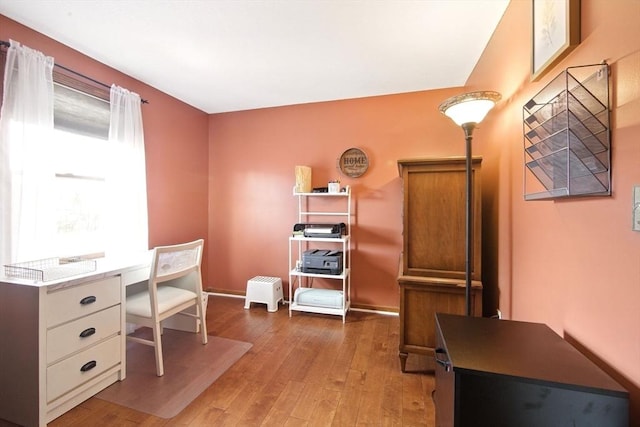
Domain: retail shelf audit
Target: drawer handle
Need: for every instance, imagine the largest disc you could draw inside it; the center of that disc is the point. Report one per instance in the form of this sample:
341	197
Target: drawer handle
87	332
88	366
88	300
444	363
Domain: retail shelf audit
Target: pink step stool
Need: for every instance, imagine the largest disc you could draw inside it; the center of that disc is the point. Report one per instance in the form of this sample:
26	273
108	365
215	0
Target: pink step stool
265	290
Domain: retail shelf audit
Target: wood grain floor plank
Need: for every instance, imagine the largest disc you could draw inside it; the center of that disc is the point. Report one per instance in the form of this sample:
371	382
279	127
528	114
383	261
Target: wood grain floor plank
207	417
296	422
413	400
325	411
307	401
261	405
348	407
370	410
392	388
281	409
338	375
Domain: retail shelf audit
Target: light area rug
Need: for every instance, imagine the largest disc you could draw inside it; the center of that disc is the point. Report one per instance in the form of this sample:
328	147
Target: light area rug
189	369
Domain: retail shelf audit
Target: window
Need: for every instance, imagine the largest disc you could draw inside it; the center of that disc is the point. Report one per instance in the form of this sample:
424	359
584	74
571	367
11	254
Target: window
81	123
79	188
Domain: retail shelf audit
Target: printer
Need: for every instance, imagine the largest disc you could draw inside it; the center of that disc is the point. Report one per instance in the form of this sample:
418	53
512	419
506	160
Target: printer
322	261
334	230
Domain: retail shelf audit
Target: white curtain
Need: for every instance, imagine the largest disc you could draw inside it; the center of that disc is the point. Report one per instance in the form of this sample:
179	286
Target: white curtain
127	220
25	176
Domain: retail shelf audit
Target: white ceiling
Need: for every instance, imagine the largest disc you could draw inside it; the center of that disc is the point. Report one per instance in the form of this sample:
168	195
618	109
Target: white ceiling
230	55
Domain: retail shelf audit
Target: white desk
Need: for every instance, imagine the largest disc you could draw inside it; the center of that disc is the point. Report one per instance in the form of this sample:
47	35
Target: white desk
63	341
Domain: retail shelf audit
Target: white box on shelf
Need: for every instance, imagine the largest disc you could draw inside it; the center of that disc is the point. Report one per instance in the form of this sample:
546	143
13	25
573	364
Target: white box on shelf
328	298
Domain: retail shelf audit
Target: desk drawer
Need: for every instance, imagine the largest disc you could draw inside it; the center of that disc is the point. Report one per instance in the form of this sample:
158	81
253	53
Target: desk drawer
80	333
77	301
82	367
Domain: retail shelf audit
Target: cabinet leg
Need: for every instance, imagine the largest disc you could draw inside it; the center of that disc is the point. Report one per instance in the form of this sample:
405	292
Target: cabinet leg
403	360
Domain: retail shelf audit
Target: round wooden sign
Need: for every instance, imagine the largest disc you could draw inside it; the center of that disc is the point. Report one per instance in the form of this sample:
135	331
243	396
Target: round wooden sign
353	162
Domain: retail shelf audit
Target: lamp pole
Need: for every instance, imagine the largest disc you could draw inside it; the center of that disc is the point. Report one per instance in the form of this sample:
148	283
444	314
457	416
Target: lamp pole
468	131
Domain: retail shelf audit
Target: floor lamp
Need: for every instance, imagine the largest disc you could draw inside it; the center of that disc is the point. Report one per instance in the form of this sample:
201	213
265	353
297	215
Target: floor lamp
468	110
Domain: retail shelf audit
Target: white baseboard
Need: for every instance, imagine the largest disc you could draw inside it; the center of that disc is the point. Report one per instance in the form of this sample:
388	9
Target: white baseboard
365	310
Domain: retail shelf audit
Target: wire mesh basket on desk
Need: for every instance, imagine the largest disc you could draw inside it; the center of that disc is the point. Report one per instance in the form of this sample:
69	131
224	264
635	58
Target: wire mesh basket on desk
47	269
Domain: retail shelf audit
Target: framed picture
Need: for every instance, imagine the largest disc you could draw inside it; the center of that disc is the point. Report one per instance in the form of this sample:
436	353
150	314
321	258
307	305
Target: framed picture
556	32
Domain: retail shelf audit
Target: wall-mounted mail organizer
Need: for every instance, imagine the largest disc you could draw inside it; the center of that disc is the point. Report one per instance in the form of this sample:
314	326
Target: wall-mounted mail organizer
567	136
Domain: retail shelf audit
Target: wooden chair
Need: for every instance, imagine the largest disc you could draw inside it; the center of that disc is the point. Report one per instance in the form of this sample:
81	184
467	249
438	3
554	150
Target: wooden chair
175	284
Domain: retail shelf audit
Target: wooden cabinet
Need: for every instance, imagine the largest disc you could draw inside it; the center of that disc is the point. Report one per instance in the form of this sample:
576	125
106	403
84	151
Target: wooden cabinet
507	373
432	267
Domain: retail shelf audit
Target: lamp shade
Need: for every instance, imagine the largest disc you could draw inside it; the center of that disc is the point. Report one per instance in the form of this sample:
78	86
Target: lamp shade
470	107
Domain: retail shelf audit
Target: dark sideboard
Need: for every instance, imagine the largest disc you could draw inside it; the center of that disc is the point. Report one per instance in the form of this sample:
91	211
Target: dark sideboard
492	372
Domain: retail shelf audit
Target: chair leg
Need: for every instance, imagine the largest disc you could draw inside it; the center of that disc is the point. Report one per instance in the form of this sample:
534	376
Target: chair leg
202	318
157	338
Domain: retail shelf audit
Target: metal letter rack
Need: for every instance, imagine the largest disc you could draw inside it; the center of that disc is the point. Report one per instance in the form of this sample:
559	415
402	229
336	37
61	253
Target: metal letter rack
567	136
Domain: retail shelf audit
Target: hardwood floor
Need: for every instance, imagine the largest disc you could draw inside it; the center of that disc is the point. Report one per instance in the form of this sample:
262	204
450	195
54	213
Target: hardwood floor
308	370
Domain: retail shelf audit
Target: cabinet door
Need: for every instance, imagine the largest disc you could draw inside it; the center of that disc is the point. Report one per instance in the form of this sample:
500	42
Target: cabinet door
434	216
420	300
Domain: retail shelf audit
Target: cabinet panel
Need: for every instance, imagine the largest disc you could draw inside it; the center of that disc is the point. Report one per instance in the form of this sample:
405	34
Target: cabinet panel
434	217
420	299
444	394
435	224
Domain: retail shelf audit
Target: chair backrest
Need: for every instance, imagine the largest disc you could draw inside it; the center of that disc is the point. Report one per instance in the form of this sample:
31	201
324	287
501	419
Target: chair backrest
170	262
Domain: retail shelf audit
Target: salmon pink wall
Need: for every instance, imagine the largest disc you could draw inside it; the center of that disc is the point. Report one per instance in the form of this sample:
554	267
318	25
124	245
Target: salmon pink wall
176	143
252	159
573	264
